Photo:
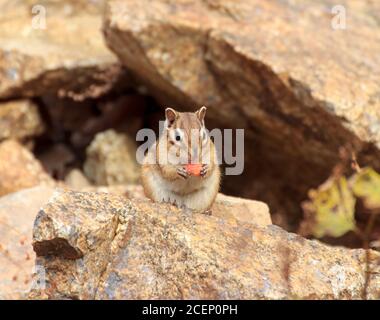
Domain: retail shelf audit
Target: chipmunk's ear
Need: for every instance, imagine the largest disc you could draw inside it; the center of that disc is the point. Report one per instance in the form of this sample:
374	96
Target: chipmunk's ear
171	115
201	113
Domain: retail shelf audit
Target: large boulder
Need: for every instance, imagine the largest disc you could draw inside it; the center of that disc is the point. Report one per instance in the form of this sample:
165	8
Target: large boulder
19	169
17	258
54	47
103	246
278	69
193	50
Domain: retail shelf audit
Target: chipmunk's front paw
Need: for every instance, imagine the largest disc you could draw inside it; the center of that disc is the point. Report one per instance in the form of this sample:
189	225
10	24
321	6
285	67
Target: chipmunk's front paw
204	170
182	172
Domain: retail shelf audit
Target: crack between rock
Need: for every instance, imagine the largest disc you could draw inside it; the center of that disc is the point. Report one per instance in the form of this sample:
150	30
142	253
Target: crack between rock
116	242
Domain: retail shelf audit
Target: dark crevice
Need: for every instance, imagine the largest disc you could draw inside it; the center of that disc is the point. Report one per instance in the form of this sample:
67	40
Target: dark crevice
57	247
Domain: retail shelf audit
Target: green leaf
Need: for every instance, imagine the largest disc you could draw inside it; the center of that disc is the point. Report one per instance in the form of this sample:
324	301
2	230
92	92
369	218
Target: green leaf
333	206
366	185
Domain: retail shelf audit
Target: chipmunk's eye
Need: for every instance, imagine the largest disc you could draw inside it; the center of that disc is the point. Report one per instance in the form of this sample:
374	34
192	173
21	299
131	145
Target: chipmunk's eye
177	135
204	134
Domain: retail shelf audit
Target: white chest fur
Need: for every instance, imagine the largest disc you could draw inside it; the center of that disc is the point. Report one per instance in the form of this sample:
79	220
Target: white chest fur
194	192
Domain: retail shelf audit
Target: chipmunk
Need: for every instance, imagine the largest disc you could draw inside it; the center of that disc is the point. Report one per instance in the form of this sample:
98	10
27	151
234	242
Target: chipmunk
166	174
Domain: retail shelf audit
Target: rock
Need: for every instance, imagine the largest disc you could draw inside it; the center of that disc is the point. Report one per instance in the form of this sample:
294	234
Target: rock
17	258
111	159
225	207
54	47
232	32
130	191
20	119
243	210
75	179
102	246
255	66
19	169
77	232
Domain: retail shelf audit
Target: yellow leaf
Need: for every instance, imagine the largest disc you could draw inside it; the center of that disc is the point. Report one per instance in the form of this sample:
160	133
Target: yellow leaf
333	207
366	185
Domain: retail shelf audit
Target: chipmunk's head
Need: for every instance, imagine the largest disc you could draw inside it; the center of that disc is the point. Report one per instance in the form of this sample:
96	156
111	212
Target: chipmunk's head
186	134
